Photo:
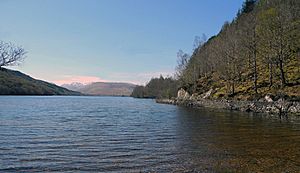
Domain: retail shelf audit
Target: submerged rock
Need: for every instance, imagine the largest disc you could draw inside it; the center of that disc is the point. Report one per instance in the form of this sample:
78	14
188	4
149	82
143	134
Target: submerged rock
294	108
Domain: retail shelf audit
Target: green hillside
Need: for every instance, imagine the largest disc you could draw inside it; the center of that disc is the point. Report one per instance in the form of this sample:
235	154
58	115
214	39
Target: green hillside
17	83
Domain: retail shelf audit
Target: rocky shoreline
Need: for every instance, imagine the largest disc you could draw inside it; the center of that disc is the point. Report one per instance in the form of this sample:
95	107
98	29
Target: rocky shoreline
280	107
265	105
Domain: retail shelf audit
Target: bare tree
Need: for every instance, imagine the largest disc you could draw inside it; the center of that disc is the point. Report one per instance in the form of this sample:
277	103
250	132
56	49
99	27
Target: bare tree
199	42
10	54
232	63
280	36
249	40
182	61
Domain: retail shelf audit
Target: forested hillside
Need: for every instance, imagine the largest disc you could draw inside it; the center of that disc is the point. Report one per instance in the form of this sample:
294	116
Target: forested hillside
255	54
157	88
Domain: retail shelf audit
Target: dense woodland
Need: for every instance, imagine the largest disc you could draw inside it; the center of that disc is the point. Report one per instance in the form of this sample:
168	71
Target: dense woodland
157	88
257	53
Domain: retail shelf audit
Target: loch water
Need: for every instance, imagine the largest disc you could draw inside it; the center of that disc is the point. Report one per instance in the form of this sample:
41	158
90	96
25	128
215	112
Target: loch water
122	134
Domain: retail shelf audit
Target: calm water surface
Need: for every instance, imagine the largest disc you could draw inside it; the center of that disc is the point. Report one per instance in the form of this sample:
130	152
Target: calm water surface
113	134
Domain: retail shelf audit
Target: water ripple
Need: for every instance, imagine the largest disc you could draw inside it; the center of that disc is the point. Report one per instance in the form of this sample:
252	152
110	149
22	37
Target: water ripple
110	134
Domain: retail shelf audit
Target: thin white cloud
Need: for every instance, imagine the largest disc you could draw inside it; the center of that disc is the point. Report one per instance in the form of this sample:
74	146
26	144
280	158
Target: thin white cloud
68	79
135	78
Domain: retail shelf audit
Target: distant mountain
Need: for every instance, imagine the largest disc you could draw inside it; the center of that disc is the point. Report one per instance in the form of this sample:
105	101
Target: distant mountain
17	83
75	86
103	88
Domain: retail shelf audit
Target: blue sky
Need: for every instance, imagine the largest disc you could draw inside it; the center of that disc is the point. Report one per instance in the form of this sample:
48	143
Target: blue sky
108	40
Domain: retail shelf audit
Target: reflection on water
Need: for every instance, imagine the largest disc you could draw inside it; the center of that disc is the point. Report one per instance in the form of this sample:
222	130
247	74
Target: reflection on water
241	142
111	134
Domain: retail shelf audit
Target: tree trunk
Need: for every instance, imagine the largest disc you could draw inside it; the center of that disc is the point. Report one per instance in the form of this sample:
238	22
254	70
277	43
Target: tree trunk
232	93
282	77
249	61
270	74
194	76
254	60
255	71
